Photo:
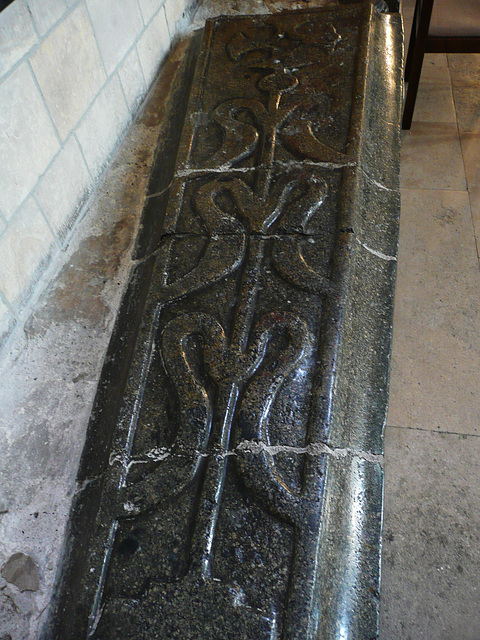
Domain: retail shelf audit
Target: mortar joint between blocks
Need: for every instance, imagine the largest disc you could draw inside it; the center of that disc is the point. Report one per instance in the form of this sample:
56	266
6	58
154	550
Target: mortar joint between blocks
47	222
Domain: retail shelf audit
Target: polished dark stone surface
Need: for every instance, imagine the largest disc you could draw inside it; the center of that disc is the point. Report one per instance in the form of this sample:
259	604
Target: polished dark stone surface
231	485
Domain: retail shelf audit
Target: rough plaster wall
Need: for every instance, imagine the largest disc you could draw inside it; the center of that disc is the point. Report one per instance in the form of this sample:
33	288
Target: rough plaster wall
72	75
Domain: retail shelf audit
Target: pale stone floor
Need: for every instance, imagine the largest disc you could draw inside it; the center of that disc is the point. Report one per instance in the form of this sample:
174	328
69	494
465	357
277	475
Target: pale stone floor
431	554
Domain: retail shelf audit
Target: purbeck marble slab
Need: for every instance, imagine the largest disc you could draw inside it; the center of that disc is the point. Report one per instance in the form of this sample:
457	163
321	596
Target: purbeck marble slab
231	482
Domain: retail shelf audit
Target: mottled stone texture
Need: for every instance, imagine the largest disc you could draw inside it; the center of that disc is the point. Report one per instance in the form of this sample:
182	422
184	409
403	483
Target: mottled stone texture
231	484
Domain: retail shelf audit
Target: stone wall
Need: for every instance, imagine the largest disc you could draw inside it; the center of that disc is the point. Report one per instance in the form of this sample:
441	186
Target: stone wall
72	74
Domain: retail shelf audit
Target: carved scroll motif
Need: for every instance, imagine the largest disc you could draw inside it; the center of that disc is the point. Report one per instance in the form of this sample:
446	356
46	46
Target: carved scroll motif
230	486
225	392
294	123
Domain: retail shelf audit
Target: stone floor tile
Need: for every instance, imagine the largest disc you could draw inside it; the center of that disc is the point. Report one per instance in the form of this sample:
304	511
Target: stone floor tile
471	157
467	107
434	103
464	68
435	69
436	350
407	28
431	543
474	194
408	6
432	157
407	10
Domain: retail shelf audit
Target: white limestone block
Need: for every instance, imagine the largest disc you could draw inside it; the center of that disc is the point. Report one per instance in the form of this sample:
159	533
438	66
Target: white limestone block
149	8
46	13
24	246
63	188
27	138
133	82
116	26
153	45
69	70
17	34
103	126
174	10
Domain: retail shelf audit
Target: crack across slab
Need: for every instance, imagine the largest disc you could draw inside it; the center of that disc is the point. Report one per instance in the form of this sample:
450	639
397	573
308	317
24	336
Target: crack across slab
316	449
377	183
293	164
299	235
168	236
249	446
374	252
185	173
319	164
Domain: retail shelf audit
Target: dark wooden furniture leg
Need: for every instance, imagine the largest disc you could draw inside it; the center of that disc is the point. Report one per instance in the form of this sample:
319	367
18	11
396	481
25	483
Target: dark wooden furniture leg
416	52
421	42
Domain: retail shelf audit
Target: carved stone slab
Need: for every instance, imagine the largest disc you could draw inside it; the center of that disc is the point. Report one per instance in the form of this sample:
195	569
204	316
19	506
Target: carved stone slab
231	484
